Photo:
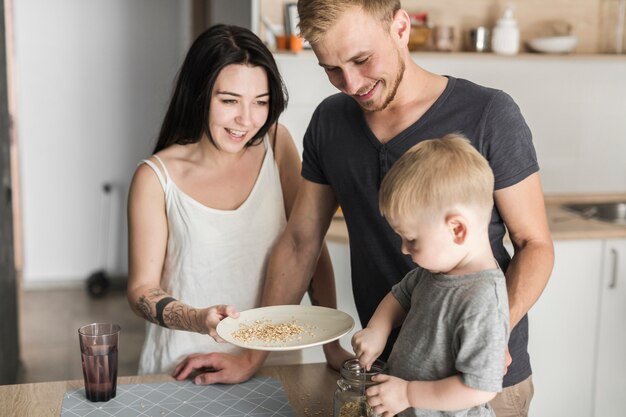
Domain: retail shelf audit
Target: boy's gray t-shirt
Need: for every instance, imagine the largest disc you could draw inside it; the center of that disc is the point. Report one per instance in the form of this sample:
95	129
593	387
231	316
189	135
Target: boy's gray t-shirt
455	325
341	151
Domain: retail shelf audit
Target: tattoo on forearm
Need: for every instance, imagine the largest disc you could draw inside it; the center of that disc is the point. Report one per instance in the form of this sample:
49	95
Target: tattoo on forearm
163	311
143	306
182	317
146	301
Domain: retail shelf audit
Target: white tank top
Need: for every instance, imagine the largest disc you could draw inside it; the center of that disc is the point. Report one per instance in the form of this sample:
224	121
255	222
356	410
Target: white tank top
214	257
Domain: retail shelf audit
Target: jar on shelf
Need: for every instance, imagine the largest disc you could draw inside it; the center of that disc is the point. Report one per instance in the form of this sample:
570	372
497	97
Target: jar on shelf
506	36
444	38
478	39
420	34
349	399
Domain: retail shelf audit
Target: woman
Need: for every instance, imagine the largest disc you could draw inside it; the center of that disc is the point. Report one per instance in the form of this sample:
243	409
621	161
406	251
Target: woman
206	208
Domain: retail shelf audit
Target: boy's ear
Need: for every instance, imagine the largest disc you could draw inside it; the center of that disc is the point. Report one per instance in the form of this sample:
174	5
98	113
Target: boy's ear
457	224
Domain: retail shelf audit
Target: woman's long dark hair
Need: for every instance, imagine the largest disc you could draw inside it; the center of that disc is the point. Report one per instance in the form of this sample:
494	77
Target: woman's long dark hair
186	119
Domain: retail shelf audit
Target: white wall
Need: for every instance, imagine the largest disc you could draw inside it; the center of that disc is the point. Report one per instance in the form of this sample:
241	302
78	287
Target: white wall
574	105
93	80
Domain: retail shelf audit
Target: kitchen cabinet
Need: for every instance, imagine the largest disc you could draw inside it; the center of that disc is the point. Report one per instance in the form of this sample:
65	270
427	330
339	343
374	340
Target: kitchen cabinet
577	341
562	339
610	387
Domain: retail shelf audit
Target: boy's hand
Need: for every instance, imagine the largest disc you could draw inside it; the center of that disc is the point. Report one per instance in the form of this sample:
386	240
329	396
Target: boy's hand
389	397
368	344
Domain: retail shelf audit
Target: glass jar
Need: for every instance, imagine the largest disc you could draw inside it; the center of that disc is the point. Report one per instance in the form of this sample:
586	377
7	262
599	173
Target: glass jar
444	38
420	33
349	399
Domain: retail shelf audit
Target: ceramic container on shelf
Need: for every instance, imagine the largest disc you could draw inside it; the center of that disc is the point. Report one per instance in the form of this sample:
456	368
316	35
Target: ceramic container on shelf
553	44
506	39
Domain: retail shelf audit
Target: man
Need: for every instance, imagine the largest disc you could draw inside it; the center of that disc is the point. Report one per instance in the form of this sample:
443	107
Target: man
386	105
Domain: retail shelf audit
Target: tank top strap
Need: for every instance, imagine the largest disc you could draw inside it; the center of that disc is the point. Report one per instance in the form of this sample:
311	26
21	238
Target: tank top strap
268	145
167	174
162	176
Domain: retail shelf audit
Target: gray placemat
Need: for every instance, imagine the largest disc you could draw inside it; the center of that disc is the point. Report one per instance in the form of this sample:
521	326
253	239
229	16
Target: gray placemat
258	397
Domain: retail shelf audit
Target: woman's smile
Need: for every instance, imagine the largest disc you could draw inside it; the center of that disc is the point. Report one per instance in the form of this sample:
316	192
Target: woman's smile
236	134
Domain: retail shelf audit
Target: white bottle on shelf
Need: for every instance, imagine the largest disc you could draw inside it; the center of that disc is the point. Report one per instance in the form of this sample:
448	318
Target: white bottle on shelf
505	38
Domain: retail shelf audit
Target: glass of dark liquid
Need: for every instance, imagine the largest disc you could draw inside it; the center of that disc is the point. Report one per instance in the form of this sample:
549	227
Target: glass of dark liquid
98	348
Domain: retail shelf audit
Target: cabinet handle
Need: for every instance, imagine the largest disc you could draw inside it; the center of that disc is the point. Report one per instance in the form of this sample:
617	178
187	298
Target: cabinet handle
613	282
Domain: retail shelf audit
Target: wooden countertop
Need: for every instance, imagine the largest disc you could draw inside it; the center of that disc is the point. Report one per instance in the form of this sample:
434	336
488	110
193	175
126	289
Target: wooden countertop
310	388
564	225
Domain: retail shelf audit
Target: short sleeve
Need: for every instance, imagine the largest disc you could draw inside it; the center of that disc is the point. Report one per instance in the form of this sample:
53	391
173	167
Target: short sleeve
508	142
312	168
403	290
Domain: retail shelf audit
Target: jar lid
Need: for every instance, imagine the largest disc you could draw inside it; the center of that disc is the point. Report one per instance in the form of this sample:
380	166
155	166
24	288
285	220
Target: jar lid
419	19
507	18
352	371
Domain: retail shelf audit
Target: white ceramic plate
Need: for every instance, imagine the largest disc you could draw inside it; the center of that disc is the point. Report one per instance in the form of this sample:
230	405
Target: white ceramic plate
554	44
321	325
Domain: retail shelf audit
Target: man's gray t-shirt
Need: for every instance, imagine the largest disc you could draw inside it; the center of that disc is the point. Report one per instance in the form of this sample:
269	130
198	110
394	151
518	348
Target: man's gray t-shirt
341	151
455	325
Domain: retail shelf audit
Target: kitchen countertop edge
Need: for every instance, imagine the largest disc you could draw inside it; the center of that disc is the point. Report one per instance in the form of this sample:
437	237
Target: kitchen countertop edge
564	225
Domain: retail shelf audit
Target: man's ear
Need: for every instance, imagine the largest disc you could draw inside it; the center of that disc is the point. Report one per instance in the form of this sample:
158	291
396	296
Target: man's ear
457	224
401	26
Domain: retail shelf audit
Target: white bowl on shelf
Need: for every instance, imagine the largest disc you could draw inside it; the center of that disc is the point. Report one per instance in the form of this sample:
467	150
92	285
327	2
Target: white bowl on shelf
553	44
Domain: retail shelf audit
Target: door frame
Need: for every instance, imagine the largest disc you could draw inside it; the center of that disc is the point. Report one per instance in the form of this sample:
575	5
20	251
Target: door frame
10	221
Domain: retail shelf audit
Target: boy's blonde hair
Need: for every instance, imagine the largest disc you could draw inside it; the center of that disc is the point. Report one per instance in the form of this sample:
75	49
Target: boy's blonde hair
317	16
436	175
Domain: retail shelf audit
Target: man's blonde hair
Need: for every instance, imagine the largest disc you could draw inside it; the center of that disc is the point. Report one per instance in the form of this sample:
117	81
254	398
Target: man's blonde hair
434	176
317	16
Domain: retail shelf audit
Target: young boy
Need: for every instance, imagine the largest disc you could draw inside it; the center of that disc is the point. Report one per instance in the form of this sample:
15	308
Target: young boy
450	353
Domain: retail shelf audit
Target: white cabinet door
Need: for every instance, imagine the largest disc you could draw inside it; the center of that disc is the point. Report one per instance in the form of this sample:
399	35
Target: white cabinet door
610	394
562	332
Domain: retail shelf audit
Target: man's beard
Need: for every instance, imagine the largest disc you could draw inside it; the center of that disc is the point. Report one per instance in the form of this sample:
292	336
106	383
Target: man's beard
393	91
